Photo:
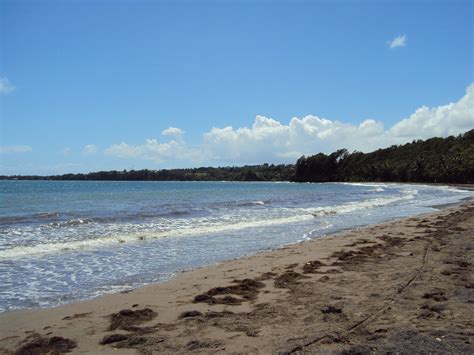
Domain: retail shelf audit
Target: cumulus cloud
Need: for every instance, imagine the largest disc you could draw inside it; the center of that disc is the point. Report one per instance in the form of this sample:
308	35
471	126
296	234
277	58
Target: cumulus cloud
153	150
5	86
172	132
444	120
400	41
90	149
272	140
269	140
11	149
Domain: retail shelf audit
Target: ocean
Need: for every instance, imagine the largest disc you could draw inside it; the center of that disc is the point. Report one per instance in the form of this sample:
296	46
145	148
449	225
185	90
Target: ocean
64	241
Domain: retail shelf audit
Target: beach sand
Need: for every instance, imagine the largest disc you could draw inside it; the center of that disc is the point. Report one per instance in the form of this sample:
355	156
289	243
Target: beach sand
404	286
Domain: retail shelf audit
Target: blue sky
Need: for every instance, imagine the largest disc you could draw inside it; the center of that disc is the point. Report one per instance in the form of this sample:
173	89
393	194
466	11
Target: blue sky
91	85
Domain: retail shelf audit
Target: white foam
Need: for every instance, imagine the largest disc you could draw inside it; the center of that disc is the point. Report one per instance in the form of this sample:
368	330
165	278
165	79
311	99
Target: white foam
354	206
453	189
203	227
364	184
47	248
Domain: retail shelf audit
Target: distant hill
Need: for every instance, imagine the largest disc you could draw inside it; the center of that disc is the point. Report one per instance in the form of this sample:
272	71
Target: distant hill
442	160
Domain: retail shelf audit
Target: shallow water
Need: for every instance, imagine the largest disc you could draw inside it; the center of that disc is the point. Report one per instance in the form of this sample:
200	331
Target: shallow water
62	241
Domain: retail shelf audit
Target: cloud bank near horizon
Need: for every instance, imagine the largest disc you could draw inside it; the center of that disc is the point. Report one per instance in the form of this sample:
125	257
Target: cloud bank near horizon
269	140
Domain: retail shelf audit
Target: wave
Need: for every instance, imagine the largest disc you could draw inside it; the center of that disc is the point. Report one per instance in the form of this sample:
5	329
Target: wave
363	184
354	206
251	203
28	218
72	222
54	218
192	228
48	248
46	215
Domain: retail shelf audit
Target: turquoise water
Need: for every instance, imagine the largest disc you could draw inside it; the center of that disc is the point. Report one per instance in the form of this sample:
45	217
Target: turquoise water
62	241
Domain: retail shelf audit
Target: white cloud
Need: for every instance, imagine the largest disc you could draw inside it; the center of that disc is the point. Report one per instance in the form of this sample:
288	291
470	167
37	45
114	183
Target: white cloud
269	140
153	150
7	149
400	41
444	120
90	149
172	132
5	86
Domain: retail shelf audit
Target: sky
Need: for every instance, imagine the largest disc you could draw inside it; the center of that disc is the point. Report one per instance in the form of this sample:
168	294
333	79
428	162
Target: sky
101	85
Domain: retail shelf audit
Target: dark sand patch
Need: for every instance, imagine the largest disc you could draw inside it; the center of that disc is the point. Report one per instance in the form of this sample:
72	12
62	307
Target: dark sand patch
247	289
127	318
39	345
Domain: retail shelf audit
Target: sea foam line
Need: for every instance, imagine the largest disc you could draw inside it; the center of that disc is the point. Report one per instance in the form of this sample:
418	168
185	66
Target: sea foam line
355	206
48	248
305	214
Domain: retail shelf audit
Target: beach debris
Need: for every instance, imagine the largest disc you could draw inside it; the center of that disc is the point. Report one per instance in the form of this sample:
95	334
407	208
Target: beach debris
190	314
324	279
360	241
436	295
432	310
252	333
266	276
248	289
357	350
311	266
132	341
127	317
392	241
199	344
41	345
330	309
113	338
288	279
459	262
230	300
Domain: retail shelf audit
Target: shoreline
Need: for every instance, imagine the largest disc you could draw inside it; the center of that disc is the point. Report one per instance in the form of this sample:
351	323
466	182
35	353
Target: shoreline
76	295
345	230
228	304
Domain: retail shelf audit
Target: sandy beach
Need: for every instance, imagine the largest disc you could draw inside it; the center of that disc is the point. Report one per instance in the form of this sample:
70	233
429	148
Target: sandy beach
404	286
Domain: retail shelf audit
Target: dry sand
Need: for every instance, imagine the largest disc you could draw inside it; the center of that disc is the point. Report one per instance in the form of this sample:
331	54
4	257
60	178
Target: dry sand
404	286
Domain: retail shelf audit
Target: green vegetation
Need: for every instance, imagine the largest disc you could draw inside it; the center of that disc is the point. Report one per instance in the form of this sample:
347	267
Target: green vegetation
442	160
263	172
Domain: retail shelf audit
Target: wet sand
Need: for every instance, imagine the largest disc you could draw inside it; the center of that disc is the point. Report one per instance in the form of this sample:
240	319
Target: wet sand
404	286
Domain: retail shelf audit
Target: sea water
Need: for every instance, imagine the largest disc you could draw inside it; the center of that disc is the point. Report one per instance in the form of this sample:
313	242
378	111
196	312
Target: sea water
63	241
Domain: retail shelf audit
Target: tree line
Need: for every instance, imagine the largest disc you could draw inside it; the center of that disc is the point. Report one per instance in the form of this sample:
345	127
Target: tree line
264	172
441	160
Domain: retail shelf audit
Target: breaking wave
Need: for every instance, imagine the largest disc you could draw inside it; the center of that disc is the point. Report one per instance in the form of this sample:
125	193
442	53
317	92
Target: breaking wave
355	206
194	227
